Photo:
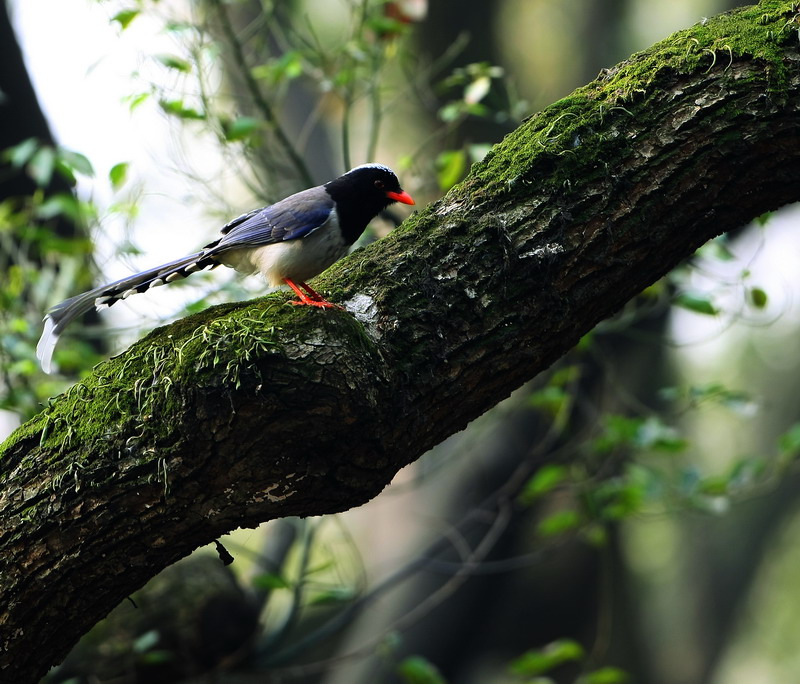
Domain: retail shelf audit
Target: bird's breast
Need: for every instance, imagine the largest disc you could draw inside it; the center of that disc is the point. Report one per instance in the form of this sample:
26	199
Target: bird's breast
299	260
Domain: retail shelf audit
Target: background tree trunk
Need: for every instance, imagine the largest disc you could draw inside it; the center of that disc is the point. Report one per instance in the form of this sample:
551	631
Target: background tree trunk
21	118
254	411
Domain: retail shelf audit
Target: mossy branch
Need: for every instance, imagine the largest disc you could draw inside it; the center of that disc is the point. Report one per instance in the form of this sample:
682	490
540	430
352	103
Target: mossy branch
253	411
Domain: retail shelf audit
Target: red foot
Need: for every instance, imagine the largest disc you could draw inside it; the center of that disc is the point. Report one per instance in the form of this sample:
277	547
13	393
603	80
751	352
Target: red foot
311	299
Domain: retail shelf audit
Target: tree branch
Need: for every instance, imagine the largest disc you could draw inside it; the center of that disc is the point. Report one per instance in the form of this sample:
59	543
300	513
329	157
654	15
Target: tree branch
258	410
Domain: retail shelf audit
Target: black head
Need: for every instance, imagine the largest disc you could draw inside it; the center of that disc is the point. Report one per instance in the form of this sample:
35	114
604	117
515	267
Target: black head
361	193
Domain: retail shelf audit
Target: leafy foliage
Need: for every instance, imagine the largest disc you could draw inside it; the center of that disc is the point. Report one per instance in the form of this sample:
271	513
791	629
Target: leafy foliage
38	261
539	661
418	670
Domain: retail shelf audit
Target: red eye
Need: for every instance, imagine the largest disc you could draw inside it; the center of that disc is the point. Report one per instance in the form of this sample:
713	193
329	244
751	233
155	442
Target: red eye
379	184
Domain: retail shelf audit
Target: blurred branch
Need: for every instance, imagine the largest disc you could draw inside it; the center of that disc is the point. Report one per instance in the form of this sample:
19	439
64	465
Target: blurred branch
499	514
259	100
494	513
281	630
254	411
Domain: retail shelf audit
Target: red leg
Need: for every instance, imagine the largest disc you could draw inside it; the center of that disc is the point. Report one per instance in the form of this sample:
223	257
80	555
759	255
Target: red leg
313	294
311	299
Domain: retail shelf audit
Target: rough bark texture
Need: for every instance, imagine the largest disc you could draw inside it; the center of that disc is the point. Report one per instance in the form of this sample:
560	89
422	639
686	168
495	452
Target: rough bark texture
253	411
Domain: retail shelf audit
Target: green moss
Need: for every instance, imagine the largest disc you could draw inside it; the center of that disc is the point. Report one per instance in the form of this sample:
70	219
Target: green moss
224	345
121	406
759	32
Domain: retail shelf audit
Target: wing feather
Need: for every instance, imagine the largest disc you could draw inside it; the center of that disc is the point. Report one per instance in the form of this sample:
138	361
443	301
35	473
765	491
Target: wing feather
290	219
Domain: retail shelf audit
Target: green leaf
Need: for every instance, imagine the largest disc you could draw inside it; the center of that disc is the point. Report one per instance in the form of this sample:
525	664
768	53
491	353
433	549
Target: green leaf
175	62
586	341
451	168
157	657
789	441
547	478
23	367
405	163
75	161
688	480
66	172
343	78
605	675
559	523
270	580
476	109
179	109
757	297
694	301
653	291
564	376
18	325
717	249
536	662
20	154
654	434
618	498
419	670
146	641
320	567
746	471
118	174
595	535
333	596
550	399
386	26
241	128
41	165
642	433
714	485
764	219
737	401
477	90
61	204
135	100
177	26
288	66
618	431
125	17
451	111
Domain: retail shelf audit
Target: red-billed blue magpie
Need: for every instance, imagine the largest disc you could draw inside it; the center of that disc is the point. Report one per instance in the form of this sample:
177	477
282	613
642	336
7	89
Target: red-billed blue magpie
288	242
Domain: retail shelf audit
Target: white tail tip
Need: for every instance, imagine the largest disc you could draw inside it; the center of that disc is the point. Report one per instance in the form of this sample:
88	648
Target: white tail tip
47	344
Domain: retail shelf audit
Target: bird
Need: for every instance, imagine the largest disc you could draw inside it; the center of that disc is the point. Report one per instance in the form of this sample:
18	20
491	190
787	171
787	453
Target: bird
288	242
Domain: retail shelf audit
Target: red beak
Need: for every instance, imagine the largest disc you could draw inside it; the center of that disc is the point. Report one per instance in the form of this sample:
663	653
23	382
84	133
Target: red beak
401	196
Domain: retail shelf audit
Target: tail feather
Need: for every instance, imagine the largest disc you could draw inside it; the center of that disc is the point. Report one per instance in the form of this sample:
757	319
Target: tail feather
61	315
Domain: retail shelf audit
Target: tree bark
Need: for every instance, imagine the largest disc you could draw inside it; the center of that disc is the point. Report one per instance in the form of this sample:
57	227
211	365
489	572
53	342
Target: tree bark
258	410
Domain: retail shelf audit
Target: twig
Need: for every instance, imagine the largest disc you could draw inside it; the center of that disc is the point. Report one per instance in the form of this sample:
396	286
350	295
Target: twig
258	98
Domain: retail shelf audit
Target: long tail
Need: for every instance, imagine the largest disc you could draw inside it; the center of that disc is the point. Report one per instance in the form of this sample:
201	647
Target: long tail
61	315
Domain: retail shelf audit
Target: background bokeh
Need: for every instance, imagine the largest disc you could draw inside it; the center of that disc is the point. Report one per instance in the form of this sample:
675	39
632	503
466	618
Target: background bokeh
627	516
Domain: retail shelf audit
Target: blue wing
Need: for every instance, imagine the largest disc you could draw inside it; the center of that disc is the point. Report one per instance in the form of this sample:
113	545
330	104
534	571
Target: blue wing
290	219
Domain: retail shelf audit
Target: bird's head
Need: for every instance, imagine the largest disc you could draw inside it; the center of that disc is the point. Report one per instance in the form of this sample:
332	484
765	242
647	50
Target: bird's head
370	185
361	194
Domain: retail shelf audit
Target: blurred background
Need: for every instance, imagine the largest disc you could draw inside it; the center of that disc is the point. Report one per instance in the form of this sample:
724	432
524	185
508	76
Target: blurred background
627	516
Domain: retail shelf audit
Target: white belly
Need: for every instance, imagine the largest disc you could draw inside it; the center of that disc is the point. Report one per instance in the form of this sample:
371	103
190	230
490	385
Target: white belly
298	260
